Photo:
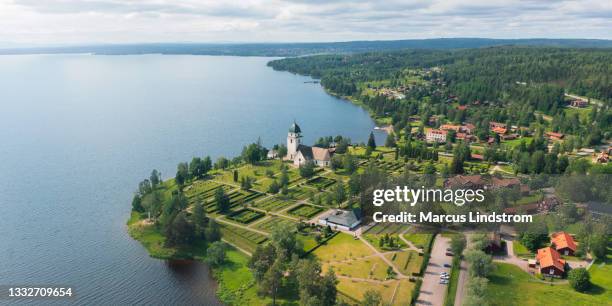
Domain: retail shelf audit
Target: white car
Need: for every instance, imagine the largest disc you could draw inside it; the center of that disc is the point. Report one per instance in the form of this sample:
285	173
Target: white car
444	277
443	282
443	273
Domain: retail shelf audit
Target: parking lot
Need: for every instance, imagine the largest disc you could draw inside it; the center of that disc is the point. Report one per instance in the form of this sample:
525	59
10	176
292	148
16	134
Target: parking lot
432	291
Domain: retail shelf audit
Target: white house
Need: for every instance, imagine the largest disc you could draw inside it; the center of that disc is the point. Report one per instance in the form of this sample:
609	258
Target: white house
436	136
345	220
300	154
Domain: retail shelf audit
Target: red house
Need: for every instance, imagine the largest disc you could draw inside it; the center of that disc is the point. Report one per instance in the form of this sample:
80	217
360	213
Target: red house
550	262
563	243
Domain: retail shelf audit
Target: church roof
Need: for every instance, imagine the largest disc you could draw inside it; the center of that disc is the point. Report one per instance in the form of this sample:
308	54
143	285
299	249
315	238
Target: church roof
295	128
344	217
315	153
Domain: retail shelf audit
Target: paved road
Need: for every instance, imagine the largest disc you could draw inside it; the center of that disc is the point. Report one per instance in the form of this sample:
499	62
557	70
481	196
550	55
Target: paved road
432	292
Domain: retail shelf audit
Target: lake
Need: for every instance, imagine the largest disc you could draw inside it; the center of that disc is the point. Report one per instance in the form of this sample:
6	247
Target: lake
80	131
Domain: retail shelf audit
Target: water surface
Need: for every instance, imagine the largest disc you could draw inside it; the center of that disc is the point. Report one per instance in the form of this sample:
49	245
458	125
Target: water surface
78	132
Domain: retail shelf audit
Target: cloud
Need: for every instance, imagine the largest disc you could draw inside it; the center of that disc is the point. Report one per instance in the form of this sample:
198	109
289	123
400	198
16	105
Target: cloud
119	21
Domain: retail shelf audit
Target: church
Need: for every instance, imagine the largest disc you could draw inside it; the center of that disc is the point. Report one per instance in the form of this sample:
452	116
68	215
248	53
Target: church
300	154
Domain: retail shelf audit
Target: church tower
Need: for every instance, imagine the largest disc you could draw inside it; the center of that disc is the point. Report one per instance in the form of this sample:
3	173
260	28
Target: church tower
293	140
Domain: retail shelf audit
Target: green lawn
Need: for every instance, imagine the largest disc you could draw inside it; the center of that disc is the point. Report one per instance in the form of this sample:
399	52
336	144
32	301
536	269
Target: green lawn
305	211
342	247
520	250
454	280
420	240
509	285
407	262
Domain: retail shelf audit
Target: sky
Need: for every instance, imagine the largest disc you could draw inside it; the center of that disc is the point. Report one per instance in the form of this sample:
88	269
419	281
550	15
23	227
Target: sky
57	22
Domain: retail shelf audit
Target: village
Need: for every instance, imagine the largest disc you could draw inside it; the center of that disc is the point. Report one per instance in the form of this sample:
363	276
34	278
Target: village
405	263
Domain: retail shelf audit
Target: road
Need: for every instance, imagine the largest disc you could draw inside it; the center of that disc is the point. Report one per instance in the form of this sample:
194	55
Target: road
432	292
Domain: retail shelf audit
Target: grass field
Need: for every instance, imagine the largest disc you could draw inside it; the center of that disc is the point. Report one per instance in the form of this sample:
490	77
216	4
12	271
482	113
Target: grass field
243	238
407	262
342	247
367	268
374	240
420	240
272	204
509	285
320	182
305	211
267	225
520	250
356	289
245	216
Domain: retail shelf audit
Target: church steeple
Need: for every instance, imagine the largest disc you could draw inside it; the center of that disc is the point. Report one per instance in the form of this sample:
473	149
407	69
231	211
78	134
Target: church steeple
293	140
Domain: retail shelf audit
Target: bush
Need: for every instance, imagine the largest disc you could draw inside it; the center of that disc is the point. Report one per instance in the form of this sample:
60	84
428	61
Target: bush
579	279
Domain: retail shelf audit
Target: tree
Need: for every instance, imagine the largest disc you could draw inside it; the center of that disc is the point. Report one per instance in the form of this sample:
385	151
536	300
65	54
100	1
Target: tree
222	201
215	254
283	237
339	192
182	174
155	178
354	184
372	298
371	142
349	163
599	246
329	291
246	183
272	279
458	244
235	175
221	163
273	187
390	141
284	177
480	263
199	219
282	151
476	289
137	203
315	289
534	236
179	231
307	169
579	279
213	232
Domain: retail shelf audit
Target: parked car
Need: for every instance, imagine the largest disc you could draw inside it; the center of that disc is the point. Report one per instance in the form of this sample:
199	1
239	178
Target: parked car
443	282
447	265
448	249
443	273
449	253
445	277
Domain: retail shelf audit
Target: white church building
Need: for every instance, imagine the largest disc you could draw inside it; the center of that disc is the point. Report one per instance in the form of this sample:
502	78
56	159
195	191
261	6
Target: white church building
300	154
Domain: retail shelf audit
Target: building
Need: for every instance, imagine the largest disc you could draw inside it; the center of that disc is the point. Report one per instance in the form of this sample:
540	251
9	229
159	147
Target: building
345	220
449	127
497	183
465	181
499	130
554	136
468	128
300	154
579	103
438	136
550	262
563	243
494	124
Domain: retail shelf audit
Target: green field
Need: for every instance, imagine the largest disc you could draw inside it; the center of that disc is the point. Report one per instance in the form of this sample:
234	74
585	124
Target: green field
407	262
305	211
420	240
245	239
342	247
245	216
272	204
267	225
509	285
320	182
520	250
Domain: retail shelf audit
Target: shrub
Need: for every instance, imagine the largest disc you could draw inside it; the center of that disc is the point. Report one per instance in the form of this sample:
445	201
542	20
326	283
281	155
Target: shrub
579	279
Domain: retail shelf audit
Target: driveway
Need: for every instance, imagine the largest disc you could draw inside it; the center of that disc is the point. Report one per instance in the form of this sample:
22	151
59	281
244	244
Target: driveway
432	292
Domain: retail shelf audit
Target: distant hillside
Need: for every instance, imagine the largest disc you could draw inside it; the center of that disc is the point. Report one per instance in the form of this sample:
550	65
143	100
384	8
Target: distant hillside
297	49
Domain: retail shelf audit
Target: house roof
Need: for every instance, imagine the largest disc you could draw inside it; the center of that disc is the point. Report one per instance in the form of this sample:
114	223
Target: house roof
465	180
440	132
295	128
450	127
505	182
550	257
343	217
563	240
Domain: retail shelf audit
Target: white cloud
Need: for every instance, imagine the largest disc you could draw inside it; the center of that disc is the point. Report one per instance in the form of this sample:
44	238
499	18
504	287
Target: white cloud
119	21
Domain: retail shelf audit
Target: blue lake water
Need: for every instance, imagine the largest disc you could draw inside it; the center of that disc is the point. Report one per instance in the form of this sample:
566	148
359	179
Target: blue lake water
78	132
